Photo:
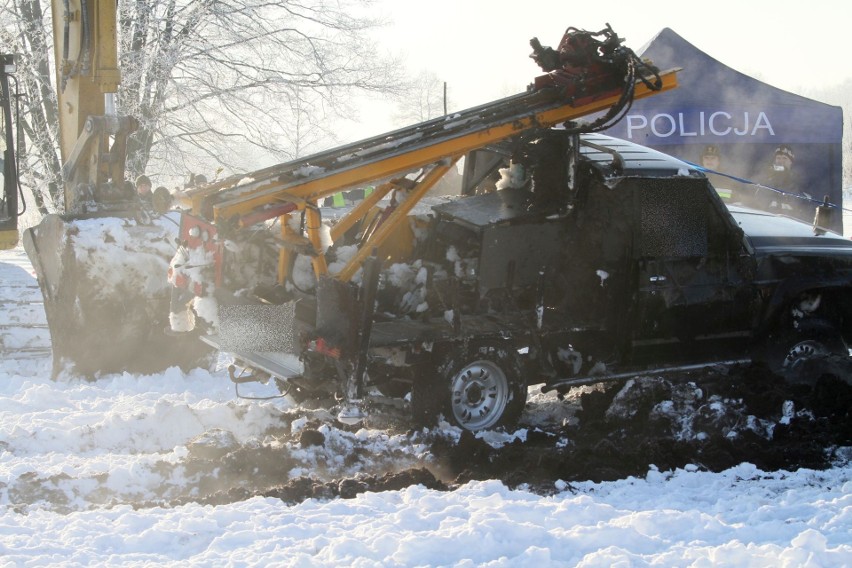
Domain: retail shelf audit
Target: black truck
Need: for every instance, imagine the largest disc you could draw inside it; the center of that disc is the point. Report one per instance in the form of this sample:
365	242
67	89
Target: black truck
601	260
570	257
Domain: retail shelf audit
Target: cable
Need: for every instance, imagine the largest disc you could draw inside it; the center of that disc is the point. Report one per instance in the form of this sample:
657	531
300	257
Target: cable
770	188
616	112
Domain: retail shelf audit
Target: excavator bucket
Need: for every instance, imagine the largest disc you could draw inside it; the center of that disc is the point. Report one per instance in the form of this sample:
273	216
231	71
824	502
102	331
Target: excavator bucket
106	297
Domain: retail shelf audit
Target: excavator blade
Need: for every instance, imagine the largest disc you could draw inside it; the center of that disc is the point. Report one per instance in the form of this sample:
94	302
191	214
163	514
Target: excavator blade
106	296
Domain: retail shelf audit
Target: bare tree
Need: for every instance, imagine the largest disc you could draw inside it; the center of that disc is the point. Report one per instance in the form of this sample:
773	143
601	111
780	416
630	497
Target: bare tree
23	33
424	99
230	84
840	95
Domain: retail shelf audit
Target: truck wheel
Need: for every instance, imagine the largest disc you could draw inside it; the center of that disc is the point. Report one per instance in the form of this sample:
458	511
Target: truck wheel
799	355
486	388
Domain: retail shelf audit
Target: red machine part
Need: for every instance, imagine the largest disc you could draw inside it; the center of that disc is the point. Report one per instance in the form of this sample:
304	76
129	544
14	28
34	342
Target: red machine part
582	64
196	233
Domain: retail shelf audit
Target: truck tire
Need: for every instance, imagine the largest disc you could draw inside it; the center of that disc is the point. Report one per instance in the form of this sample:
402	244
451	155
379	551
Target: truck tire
799	354
484	387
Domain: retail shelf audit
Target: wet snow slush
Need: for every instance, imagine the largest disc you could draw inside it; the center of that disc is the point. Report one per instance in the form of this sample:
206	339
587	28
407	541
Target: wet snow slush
163	445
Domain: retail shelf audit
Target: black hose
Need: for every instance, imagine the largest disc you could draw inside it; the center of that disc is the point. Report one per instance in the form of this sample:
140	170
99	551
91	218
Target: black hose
20	148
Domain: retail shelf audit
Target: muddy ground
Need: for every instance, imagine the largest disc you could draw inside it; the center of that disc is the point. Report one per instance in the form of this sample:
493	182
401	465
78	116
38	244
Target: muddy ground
711	420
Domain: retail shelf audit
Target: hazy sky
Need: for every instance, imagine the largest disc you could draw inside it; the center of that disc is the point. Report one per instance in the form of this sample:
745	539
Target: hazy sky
480	48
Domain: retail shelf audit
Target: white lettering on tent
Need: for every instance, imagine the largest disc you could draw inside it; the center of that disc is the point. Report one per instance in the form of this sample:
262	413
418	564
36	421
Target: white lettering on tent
713	118
683	131
744	129
763	123
656	119
719	123
636	121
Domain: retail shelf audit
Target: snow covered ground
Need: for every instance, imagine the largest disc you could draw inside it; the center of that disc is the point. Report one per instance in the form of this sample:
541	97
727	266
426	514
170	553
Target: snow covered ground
87	470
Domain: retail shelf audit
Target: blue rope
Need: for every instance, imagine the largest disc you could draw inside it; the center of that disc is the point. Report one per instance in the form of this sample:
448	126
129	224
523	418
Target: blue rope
776	190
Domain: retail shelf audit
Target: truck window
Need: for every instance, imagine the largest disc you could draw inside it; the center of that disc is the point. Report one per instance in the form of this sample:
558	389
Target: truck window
673	221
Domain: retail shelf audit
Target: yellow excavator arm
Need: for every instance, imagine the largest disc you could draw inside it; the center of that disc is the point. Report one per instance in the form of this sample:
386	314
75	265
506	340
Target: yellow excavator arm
105	313
86	53
92	139
432	146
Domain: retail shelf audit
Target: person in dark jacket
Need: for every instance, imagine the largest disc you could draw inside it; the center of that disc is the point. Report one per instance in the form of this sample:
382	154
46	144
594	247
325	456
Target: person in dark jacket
781	174
795	202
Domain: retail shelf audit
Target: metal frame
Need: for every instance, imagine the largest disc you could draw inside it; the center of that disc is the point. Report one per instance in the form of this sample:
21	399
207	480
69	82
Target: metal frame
434	146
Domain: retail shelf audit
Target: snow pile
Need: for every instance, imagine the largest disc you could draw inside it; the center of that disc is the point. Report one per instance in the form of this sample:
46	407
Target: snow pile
69	443
90	453
741	517
95	242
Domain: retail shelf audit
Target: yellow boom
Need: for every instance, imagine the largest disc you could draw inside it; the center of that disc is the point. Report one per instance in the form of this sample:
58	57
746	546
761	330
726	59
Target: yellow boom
434	146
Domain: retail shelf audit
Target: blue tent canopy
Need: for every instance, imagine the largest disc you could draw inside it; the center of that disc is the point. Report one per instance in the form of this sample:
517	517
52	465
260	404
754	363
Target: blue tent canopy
745	118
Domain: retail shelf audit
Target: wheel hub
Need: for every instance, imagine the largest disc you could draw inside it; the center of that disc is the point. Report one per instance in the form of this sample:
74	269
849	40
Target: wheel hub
474	394
480	393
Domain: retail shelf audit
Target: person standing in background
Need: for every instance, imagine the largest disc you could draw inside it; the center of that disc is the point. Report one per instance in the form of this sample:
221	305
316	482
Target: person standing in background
781	174
711	159
143	189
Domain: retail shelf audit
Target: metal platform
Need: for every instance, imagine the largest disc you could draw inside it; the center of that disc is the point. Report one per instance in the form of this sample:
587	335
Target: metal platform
276	363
